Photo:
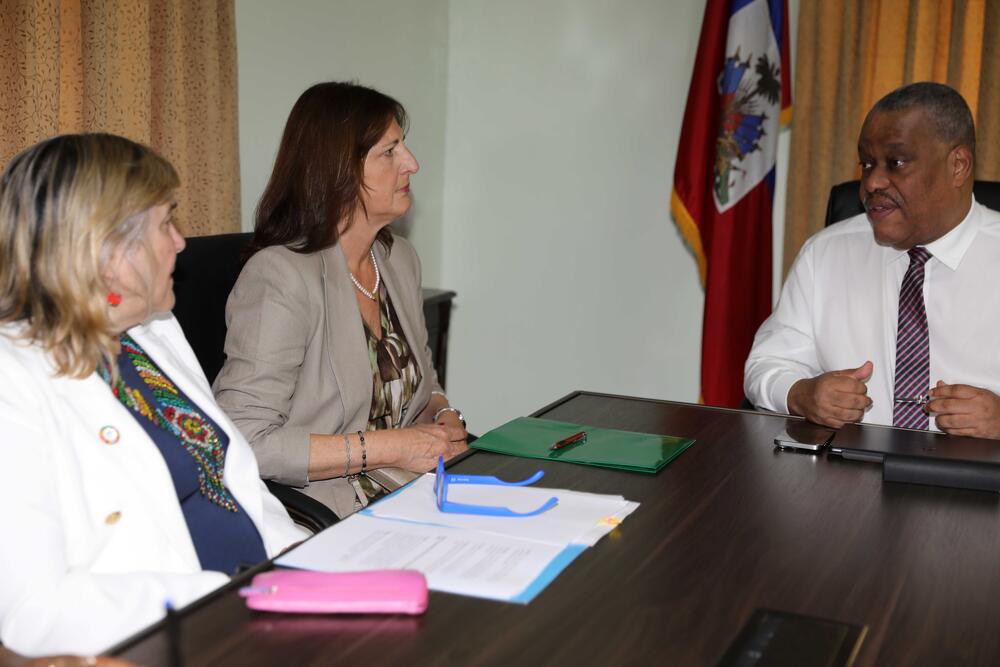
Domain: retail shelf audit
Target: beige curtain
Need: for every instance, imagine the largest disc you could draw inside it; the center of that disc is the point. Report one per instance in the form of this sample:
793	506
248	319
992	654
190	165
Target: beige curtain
849	55
161	72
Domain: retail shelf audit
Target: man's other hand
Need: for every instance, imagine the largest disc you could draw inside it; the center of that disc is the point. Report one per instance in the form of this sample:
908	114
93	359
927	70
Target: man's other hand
959	409
832	399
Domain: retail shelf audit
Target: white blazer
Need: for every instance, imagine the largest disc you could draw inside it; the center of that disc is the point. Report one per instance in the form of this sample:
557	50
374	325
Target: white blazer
93	539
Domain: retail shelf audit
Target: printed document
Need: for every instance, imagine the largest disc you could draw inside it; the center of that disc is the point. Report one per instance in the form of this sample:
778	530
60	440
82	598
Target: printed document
453	560
508	558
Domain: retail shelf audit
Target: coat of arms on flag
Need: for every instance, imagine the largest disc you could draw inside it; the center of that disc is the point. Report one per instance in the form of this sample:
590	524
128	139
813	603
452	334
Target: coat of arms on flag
743	125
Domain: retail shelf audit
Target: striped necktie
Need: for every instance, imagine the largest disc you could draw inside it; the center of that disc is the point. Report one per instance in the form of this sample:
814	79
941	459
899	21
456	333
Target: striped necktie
913	354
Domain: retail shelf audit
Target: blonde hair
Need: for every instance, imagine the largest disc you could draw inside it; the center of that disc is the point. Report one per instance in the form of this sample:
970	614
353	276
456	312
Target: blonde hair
65	205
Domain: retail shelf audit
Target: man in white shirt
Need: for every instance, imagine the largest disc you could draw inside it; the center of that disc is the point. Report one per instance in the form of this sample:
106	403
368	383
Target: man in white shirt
829	350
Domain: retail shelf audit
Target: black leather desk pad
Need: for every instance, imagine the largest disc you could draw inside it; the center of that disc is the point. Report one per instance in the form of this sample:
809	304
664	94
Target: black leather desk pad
886	441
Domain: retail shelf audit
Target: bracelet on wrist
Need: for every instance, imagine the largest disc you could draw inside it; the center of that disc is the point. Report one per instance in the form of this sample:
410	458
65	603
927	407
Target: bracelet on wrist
347	446
448	408
364	453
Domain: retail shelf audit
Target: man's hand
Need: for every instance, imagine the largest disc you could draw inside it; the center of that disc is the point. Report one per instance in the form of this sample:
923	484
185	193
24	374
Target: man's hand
834	398
959	409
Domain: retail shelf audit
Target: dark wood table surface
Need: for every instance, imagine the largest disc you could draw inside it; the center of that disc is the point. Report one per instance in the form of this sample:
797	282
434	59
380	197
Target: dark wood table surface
729	526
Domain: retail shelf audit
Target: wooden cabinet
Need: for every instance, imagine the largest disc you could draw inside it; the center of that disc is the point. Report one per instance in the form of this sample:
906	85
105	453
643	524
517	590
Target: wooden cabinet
437	312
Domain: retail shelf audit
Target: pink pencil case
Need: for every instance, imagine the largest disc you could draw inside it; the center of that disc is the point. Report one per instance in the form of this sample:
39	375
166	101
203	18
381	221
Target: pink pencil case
304	592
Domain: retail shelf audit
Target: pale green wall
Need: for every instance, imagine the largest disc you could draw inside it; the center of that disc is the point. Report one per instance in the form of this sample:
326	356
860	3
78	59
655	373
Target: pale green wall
563	123
396	46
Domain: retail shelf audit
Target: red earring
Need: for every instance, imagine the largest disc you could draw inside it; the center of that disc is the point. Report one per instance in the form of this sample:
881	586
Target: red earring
114	299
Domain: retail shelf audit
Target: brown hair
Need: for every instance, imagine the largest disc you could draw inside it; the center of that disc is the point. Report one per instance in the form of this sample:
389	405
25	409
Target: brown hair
318	175
65	204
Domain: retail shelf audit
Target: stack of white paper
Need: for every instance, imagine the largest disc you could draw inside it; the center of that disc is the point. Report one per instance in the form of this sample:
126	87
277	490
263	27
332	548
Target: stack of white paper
501	558
578	518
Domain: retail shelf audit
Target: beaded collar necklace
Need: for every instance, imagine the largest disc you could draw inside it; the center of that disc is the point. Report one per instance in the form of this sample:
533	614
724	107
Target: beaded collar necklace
178	417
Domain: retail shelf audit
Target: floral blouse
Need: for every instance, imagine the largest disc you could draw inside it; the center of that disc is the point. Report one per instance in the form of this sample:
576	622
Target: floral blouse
395	374
395	377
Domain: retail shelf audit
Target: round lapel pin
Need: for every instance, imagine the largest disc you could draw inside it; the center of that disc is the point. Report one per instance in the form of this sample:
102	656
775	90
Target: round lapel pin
109	435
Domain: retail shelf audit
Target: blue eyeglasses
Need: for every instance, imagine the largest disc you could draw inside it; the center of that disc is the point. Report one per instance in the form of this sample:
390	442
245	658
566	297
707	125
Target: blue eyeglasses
443	480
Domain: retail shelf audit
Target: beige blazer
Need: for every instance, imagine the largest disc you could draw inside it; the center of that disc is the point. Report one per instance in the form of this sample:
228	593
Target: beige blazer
297	357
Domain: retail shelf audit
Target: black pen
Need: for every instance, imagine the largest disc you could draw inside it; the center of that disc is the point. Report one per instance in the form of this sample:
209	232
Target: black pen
571	440
173	636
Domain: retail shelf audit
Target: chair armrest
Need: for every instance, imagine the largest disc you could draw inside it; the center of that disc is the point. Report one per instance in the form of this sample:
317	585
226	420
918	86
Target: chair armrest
305	511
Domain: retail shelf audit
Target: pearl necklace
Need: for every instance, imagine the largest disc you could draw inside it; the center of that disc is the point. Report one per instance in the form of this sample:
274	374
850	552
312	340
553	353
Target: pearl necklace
378	279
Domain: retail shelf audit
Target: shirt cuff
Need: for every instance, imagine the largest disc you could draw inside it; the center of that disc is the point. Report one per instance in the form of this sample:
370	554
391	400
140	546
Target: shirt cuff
779	391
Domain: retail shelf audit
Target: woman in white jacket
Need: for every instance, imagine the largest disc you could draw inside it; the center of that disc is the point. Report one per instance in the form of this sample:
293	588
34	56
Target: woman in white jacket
125	486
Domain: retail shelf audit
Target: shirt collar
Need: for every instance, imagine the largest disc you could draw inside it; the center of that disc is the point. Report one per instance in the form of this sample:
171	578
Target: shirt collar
950	248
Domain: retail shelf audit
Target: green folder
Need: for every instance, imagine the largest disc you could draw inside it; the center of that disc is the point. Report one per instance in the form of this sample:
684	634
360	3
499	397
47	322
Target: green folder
533	438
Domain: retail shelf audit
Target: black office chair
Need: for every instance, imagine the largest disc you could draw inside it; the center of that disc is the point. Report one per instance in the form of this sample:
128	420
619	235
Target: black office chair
203	278
204	275
845	201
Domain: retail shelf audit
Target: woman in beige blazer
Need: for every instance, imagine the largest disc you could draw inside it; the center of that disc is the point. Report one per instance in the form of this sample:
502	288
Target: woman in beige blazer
327	372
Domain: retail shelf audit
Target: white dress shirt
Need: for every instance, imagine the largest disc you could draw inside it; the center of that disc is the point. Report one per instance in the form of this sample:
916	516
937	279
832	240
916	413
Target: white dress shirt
93	542
839	309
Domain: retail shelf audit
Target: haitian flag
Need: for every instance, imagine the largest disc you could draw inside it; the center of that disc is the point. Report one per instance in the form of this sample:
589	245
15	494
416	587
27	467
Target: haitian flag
724	178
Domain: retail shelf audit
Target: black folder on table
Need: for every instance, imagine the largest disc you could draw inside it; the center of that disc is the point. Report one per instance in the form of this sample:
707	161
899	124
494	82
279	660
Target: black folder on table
923	457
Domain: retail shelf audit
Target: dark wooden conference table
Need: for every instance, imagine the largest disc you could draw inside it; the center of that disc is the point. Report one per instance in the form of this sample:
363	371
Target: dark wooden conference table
730	526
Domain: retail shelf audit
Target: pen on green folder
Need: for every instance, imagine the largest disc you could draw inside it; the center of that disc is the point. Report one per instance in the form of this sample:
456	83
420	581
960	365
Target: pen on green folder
571	440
